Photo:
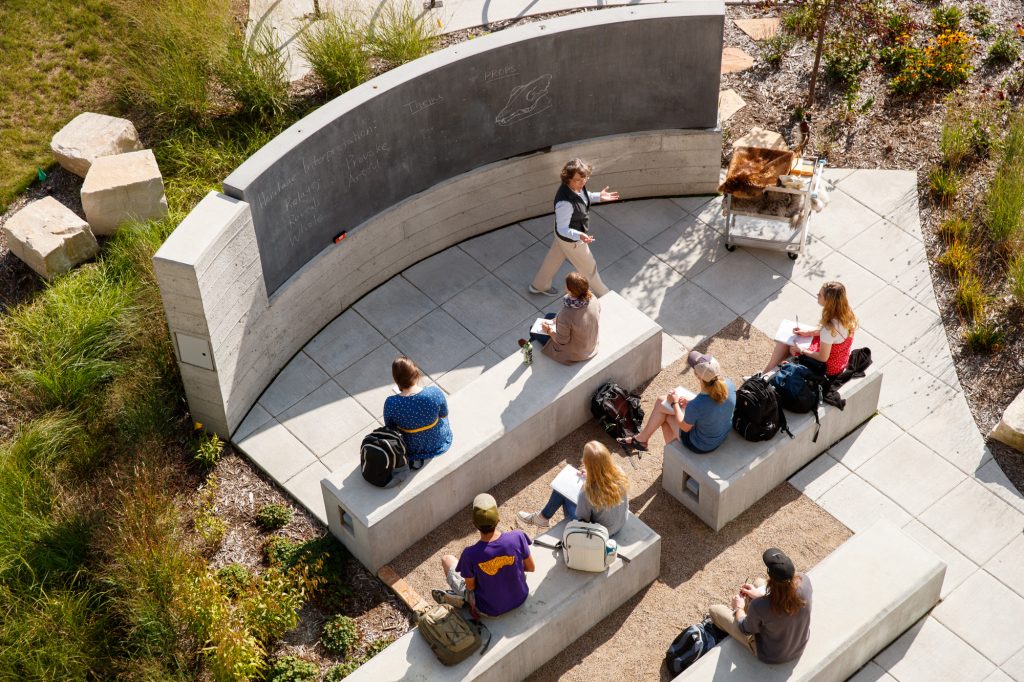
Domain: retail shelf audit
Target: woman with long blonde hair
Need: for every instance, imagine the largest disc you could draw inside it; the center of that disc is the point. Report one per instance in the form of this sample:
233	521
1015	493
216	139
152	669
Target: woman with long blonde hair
604	498
832	338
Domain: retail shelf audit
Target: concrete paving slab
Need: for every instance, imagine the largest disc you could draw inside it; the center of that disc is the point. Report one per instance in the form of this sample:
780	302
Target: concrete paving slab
346	339
488	309
998	676
881	353
739	281
437	343
898	252
518	272
931	353
641	220
476	365
369	381
814	251
1015	666
305	487
277	451
856	504
1008	565
958	567
695	204
507	344
325	418
834	176
930	652
496	247
992	477
300	377
729	102
910	474
866	441
671	350
916	282
689	245
1003	610
256	418
967	450
974	520
790	302
445	274
347	452
818	477
860	283
610	243
872	672
394	306
541	226
689	314
909	394
886	192
642	279
843	219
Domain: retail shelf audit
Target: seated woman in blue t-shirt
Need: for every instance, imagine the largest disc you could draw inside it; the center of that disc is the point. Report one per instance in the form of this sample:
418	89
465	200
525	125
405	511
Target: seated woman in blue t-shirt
707	418
421	414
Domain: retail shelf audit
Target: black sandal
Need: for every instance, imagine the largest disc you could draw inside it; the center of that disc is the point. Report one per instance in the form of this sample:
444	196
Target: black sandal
632	442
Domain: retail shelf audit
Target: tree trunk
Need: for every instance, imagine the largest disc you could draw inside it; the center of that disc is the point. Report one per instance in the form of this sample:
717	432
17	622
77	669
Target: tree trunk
817	52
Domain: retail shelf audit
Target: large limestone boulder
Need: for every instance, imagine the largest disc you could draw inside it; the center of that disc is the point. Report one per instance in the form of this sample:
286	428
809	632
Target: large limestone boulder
49	237
122	188
89	136
1010	428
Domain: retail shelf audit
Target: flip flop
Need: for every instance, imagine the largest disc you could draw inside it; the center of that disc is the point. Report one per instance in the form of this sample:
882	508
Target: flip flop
632	442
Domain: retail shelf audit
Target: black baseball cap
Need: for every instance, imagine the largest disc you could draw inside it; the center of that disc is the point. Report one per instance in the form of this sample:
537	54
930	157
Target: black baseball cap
780	566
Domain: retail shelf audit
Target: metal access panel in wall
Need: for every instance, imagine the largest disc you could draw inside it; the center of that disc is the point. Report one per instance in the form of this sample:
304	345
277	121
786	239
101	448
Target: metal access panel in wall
193	350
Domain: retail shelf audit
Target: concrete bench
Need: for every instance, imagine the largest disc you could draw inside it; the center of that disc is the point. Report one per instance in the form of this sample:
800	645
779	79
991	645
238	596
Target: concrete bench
502	420
866	593
563	604
721	485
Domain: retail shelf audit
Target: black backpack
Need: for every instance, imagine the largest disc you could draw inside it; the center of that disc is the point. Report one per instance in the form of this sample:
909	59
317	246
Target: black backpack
691	644
382	451
800	390
758	415
618	412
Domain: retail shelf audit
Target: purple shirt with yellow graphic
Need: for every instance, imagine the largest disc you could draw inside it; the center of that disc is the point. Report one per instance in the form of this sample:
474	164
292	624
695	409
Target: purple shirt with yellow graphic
497	567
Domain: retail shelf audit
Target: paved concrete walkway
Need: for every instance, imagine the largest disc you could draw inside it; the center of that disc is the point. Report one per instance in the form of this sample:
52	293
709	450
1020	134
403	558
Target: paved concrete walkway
920	463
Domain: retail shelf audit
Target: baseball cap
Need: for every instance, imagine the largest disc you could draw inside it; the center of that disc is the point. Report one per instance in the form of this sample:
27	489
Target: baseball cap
704	366
485	510
780	567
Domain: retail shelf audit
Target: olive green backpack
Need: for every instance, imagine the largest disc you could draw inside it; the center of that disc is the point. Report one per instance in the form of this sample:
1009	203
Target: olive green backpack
451	637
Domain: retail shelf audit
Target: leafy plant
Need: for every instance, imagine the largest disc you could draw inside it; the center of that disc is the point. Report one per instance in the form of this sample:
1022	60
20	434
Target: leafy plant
944	183
979	13
775	48
984	337
945	61
959	258
970	296
398	35
336	49
234	579
1004	50
292	669
846	57
253	70
946	19
340	635
342	670
208	449
210	527
376	647
273	516
801	21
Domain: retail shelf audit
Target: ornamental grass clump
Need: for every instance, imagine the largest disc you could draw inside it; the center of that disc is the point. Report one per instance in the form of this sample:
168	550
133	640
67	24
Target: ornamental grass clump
399	34
253	71
959	258
984	337
336	49
944	183
970	296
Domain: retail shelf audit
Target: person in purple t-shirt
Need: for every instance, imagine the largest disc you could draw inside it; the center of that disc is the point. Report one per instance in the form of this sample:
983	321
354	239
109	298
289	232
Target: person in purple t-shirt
491	574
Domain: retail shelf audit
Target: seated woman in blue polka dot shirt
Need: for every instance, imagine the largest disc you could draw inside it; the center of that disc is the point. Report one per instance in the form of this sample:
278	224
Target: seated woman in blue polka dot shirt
421	414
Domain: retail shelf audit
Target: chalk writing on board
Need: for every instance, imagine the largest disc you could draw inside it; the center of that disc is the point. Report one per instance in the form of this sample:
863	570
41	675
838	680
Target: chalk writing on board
419	105
509	71
525	101
359	166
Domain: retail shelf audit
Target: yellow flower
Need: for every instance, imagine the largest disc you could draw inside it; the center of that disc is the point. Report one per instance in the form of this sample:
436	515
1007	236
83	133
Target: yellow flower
198	426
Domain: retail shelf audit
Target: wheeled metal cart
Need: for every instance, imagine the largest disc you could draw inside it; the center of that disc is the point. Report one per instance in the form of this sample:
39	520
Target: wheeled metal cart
777	219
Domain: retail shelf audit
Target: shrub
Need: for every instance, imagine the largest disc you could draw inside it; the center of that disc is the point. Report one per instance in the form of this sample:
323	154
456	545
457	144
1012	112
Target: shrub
253	71
970	297
898	22
291	669
979	13
341	671
944	61
340	635
210	527
398	35
273	516
846	56
984	337
376	647
946	19
943	183
336	49
959	258
1015	273
801	21
208	449
775	48
955	227
1004	50
234	579
324	556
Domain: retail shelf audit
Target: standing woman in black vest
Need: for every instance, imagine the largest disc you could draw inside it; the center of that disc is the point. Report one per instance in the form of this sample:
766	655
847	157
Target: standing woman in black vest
572	222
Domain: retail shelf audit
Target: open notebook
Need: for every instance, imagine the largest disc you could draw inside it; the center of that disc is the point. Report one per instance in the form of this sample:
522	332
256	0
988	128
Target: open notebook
785	335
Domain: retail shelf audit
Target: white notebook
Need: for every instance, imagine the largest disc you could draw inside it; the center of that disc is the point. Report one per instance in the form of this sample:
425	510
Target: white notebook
569	482
538	329
785	335
681	392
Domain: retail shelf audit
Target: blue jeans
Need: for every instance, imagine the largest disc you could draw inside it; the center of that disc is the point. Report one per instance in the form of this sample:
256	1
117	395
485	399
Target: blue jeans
557	500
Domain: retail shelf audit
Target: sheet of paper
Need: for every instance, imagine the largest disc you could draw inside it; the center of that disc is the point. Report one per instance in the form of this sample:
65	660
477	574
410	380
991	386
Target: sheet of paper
568	482
785	335
682	393
538	329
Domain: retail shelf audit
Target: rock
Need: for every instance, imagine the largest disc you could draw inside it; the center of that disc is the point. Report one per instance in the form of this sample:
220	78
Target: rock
1010	429
89	136
49	237
758	29
121	188
735	59
729	102
757	137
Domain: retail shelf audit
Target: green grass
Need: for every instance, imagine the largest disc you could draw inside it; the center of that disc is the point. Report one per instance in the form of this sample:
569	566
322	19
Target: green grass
336	49
55	56
253	71
970	296
955	227
1015	273
959	258
943	184
400	33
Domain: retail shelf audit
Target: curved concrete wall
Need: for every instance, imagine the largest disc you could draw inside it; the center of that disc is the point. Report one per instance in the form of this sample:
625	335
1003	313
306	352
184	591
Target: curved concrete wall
232	336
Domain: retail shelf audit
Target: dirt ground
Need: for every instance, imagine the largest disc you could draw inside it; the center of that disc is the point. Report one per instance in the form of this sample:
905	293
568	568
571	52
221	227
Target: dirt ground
698	566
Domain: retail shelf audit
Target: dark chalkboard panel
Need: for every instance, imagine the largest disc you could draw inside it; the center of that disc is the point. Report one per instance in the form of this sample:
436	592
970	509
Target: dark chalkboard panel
652	67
